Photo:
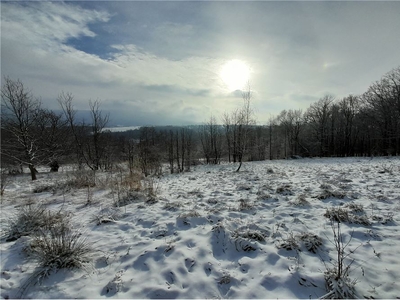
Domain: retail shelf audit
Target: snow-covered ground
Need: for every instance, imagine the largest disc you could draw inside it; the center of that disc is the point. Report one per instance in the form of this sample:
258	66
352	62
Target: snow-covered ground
215	233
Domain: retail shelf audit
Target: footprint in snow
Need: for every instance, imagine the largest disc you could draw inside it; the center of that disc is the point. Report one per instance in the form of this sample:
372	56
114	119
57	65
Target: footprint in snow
189	263
114	286
140	263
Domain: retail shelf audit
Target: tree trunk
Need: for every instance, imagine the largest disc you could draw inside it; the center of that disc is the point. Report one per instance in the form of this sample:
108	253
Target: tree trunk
240	165
33	171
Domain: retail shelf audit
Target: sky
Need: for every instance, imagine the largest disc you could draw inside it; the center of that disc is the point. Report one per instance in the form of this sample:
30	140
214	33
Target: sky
165	63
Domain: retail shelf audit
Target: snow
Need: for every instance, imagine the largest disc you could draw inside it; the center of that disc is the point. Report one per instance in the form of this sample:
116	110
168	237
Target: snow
122	128
215	233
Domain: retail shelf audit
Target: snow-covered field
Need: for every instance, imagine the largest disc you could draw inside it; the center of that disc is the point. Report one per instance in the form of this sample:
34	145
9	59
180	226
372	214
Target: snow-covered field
215	233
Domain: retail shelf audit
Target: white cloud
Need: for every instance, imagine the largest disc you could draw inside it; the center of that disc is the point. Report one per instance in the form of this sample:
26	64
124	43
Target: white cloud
46	24
134	79
297	52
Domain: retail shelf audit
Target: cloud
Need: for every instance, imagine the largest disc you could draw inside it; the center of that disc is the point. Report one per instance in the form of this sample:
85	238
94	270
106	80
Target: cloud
139	81
45	25
155	62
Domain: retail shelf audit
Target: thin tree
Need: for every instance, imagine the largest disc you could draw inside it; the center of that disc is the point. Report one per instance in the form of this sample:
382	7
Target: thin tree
245	121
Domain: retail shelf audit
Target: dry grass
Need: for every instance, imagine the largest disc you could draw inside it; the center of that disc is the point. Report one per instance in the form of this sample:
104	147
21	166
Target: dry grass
4	182
245	205
55	248
59	247
337	279
31	219
337	214
311	241
301	201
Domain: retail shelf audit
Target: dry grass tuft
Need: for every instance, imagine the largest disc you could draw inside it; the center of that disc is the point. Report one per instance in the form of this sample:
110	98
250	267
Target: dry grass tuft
311	241
337	214
31	219
245	205
59	247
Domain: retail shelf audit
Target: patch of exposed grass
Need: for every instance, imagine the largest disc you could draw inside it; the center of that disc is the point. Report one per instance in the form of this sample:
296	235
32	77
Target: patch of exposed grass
337	214
284	190
311	241
172	206
31	219
301	201
245	205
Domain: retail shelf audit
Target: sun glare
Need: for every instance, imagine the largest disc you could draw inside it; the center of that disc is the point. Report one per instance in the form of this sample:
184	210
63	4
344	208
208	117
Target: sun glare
235	74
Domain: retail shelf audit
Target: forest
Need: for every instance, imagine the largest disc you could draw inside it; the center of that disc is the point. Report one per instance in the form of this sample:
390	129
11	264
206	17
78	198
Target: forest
356	125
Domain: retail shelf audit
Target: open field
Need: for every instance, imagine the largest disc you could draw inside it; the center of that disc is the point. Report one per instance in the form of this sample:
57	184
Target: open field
265	232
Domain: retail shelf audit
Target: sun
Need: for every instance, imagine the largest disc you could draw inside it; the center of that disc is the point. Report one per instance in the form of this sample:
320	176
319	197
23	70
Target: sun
235	74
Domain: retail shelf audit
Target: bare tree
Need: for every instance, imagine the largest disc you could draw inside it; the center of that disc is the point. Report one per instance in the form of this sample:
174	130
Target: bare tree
245	121
317	117
383	101
183	140
149	152
211	141
99	122
34	134
348	110
230	130
90	143
170	150
65	101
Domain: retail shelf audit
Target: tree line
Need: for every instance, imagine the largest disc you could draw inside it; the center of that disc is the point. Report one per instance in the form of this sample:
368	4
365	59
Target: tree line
356	125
